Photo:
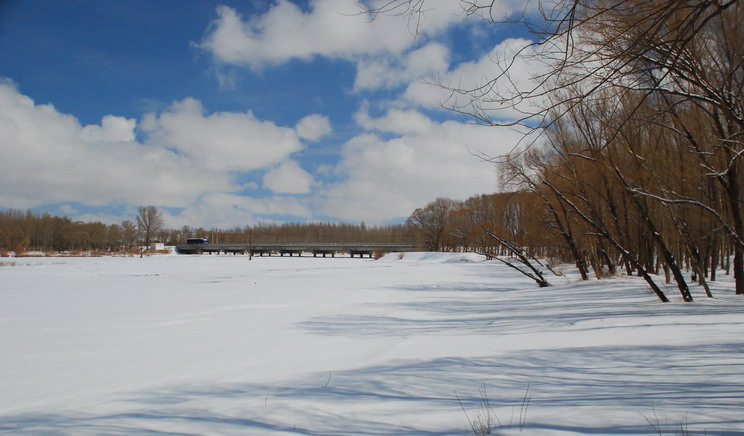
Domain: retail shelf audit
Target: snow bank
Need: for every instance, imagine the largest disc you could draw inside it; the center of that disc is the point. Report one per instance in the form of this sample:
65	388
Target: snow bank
432	257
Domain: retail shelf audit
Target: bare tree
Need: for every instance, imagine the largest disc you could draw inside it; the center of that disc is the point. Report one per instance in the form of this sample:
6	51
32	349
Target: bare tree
523	260
149	222
432	221
517	172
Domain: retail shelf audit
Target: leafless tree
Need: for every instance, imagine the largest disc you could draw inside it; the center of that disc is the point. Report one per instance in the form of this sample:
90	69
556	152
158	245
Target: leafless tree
432	221
149	222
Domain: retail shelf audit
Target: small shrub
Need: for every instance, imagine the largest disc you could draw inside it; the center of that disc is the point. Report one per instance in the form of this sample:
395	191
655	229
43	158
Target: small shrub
486	421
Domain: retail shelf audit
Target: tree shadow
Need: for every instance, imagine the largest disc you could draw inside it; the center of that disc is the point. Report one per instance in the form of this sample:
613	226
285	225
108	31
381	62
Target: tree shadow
473	308
401	398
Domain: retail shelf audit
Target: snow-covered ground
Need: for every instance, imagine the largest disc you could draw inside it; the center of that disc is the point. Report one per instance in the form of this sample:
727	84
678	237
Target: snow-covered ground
215	345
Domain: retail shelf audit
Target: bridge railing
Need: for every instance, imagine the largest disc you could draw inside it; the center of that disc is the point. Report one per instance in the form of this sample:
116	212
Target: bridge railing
297	246
307	244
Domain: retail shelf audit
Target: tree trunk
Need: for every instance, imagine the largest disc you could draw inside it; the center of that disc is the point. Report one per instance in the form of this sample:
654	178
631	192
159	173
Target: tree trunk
567	234
666	254
714	257
735	204
669	260
667	275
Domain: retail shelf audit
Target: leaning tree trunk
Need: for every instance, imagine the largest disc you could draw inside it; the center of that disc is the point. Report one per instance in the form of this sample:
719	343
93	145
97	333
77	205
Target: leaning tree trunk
522	257
666	254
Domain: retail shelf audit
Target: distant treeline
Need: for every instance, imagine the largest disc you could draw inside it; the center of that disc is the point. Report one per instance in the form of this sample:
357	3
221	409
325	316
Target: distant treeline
23	231
27	231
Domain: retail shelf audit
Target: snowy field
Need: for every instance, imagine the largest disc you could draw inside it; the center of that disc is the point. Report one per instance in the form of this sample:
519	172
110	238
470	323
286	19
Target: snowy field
221	345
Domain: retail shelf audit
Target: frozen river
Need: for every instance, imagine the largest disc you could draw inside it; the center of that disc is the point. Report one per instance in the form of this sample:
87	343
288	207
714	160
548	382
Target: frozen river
408	344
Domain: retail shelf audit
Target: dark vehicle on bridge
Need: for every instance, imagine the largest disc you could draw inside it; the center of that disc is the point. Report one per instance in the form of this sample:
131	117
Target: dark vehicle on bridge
197	241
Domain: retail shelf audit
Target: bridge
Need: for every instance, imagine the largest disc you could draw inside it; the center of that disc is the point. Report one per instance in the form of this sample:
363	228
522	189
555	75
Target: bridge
291	249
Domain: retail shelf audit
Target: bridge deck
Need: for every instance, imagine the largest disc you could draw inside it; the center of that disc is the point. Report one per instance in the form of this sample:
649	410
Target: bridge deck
295	248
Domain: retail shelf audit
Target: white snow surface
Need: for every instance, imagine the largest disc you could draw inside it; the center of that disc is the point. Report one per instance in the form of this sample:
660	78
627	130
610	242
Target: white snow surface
410	344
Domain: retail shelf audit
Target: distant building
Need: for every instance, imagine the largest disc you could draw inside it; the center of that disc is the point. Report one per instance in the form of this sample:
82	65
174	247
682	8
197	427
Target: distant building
157	246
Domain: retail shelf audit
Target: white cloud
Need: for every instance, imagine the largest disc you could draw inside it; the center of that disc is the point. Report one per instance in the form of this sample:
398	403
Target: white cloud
313	127
474	76
288	178
391	71
387	178
386	51
112	129
384	48
333	28
224	140
48	157
397	121
225	210
390	49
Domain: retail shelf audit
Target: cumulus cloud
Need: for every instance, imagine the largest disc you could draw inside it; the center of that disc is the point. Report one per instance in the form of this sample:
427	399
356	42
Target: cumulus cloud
397	121
112	129
383	49
523	66
288	178
331	28
224	140
314	127
392	71
226	210
188	162
389	49
49	157
390	177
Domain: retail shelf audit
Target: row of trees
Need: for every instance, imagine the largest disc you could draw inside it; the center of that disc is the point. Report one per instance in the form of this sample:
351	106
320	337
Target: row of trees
537	222
27	231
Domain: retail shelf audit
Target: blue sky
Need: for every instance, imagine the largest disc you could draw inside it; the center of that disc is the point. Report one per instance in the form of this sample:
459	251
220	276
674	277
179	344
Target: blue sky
229	113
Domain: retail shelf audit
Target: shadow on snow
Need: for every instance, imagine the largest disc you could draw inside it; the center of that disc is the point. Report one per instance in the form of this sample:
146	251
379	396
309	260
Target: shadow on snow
641	381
